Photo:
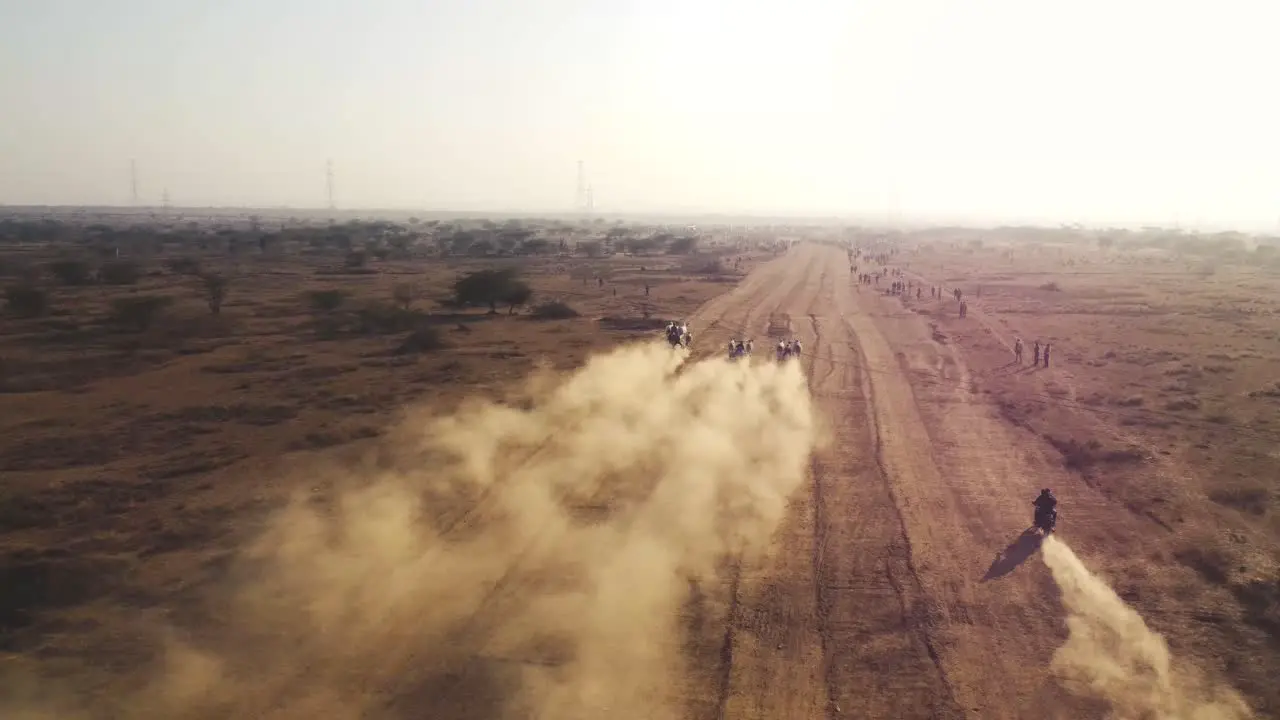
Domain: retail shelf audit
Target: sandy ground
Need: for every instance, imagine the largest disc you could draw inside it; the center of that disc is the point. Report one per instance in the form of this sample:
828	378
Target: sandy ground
660	537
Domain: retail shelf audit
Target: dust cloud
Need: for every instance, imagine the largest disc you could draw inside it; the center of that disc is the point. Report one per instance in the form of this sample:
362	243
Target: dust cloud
525	558
1112	651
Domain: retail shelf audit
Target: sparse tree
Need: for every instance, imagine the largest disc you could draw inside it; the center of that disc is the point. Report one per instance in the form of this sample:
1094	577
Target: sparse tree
683	246
121	272
481	248
460	242
71	272
400	243
326	301
490	287
517	293
184	266
404	294
357	259
26	301
215	288
535	246
138	312
507	243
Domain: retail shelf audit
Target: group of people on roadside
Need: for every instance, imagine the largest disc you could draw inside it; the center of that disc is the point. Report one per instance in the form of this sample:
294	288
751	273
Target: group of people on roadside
1038	352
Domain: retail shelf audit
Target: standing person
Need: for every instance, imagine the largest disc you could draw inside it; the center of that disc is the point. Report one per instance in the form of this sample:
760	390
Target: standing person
1017	350
1046	354
1035	353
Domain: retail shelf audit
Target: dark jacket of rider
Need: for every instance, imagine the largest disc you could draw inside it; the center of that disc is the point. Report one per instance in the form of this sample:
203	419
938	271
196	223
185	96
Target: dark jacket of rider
1046	501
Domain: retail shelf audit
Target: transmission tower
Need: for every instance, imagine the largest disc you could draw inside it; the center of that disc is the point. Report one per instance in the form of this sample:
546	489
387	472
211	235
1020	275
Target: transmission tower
165	199
591	199
328	172
580	202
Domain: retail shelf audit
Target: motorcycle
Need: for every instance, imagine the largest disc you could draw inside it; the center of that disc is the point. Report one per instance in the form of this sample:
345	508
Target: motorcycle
1046	520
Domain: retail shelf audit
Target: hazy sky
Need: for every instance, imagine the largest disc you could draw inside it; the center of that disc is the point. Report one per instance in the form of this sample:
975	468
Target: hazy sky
1087	110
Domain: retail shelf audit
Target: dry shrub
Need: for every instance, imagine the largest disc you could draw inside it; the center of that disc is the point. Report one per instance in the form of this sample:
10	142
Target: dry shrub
554	310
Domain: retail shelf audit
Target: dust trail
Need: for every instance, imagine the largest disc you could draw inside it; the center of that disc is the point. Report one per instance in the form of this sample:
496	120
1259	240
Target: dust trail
518	559
1111	650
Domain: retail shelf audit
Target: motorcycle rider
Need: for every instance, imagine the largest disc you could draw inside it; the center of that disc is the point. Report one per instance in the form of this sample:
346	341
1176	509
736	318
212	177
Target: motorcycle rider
1046	503
678	334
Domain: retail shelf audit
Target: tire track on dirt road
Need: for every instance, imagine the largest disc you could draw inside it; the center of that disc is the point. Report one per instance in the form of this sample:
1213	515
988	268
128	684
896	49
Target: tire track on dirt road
832	623
818	491
878	663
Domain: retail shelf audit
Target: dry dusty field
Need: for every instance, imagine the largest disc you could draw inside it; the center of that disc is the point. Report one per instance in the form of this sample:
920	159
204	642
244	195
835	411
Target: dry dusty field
256	517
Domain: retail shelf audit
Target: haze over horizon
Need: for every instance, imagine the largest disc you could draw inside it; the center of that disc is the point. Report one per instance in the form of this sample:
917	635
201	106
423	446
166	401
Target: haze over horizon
1093	112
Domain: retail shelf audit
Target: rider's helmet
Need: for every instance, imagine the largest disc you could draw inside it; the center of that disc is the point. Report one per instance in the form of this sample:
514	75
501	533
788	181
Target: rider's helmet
1046	491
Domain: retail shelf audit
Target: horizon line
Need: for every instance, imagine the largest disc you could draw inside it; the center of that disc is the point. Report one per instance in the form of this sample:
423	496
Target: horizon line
874	218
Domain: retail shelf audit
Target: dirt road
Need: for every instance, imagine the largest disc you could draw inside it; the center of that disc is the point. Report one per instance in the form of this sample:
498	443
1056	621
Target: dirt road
896	587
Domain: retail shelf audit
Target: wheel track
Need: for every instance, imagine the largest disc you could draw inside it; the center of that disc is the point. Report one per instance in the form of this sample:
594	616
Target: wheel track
848	626
876	664
821	603
726	647
911	623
